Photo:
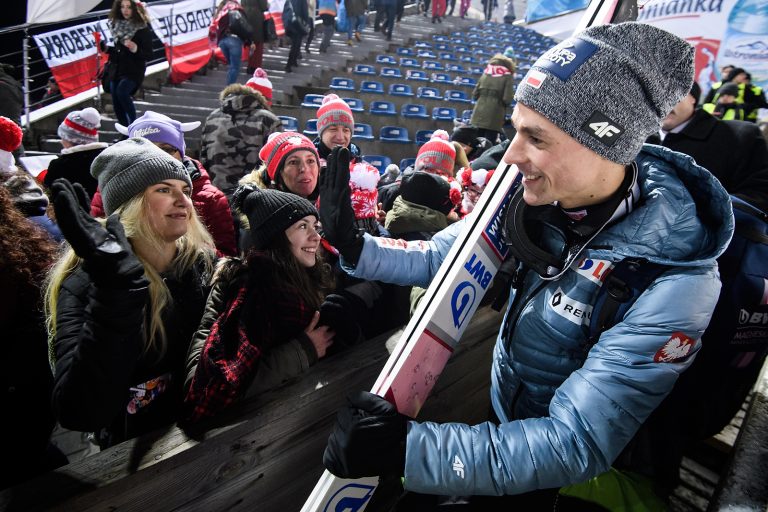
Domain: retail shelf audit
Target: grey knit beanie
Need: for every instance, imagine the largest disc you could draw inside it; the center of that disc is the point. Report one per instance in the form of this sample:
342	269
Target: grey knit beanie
270	212
126	168
610	86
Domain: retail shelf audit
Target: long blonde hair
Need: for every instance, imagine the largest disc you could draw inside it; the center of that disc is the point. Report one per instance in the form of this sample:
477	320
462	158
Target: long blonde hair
196	245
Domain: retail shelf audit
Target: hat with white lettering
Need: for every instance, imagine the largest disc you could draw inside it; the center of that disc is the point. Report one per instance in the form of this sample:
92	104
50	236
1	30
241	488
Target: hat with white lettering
610	86
159	128
81	126
334	110
437	155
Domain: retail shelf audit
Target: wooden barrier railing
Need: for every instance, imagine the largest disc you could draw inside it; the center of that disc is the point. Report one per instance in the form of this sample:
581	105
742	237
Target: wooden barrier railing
743	486
264	454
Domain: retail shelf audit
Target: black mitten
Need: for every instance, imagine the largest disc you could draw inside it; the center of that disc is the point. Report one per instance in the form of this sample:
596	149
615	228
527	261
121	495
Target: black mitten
107	255
368	439
336	214
341	313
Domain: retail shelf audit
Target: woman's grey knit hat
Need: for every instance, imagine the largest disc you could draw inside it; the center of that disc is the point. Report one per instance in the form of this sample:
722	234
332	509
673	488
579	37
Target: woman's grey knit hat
610	86
126	168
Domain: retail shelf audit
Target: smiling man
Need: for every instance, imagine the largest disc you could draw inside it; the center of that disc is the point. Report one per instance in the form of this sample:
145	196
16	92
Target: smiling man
564	406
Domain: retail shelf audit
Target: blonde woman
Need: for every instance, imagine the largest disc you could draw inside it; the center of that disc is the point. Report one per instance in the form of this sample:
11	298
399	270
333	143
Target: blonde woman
125	299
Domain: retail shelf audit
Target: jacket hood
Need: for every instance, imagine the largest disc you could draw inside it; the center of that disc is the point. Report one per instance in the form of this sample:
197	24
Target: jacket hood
238	97
685	217
406	217
501	60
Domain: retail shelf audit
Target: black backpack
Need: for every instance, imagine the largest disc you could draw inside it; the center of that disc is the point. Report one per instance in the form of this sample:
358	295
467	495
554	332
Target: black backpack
239	25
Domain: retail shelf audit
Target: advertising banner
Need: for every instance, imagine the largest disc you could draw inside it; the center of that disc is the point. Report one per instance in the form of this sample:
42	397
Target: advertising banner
723	32
183	29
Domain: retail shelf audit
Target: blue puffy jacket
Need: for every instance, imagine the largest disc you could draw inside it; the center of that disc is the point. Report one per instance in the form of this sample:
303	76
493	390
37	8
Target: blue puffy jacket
565	416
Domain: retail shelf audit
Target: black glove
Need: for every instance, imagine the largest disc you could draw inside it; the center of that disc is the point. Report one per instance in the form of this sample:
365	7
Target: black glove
107	255
336	213
368	439
342	312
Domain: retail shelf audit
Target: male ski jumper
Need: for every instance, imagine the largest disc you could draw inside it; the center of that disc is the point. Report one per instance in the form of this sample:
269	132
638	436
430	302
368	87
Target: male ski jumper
591	196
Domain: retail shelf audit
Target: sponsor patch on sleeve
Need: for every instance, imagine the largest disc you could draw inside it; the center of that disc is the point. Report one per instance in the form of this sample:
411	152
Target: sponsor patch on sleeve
677	348
565	58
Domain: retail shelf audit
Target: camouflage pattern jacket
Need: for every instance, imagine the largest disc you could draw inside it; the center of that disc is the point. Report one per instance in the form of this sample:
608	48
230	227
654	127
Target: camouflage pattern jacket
233	135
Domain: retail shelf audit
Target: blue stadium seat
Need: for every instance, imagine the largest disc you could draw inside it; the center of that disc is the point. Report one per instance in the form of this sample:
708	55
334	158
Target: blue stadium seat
441	38
466	115
423	136
444	113
406	162
362	132
460	96
476	70
461	49
391	72
400	90
340	83
467	81
416	74
443	47
407	62
312	100
290	124
441	78
355	104
383	108
372	86
456	68
364	69
406	52
415	110
386	59
310	130
469	59
429	92
448	56
378	161
433	65
397	134
421	44
426	54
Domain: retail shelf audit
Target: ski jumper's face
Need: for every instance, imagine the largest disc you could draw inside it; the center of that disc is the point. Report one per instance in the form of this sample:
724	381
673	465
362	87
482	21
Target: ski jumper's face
304	240
555	166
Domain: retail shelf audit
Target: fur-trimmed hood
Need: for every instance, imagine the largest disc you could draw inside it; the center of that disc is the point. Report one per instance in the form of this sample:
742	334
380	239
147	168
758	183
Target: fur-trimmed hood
238	97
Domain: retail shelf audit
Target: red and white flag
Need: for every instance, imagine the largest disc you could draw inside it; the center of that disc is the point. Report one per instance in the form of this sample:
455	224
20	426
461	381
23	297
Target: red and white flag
45	11
71	54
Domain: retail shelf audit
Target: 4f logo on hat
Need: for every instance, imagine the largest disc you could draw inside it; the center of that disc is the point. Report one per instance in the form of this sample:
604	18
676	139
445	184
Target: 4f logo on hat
601	127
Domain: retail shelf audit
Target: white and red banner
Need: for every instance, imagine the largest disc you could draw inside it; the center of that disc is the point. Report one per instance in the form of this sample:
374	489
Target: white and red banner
722	31
71	54
183	29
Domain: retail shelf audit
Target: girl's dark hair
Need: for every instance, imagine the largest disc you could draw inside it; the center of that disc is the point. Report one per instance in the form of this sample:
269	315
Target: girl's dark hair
136	15
26	250
312	284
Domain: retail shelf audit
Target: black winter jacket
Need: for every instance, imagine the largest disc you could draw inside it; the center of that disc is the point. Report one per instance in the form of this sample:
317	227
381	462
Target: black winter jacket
100	361
124	64
734	151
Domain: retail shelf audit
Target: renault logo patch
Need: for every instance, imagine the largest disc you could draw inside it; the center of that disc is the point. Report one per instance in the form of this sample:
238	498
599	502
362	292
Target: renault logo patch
564	59
601	127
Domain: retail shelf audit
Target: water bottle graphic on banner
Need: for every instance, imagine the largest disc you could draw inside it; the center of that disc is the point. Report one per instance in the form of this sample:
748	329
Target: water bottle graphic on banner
745	43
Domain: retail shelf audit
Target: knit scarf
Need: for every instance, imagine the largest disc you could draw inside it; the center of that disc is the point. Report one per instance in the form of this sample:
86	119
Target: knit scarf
496	70
123	29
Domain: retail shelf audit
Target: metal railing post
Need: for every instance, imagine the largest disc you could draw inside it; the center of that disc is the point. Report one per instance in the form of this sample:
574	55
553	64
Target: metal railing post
25	70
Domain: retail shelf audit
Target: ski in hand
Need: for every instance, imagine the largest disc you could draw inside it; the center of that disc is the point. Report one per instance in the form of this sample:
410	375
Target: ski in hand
447	307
